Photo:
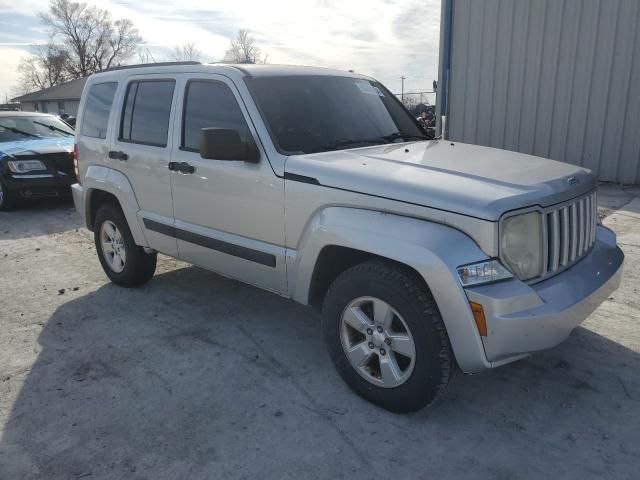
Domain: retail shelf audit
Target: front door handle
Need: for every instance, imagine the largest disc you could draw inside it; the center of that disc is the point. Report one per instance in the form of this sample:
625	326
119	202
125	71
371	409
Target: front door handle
118	155
181	167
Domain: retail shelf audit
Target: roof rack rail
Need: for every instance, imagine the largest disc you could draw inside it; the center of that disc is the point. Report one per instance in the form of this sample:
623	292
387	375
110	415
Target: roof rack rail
154	64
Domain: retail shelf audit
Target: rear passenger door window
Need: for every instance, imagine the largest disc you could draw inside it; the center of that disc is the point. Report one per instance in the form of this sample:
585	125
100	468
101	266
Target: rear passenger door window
210	104
95	118
146	112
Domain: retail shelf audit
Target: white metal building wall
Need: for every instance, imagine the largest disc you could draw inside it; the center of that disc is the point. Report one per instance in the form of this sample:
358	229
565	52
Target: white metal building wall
70	106
555	78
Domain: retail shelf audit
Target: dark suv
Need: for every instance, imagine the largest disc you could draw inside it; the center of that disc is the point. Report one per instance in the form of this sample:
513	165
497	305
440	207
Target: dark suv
36	156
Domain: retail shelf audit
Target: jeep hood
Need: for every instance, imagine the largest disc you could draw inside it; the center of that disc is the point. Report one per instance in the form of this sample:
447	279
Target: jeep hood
468	179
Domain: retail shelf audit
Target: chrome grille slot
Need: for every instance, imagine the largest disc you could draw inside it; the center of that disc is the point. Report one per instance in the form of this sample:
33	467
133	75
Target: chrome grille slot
554	240
564	229
570	233
573	226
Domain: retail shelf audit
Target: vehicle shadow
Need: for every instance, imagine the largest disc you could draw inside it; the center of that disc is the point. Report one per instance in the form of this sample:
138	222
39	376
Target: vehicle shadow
39	217
198	376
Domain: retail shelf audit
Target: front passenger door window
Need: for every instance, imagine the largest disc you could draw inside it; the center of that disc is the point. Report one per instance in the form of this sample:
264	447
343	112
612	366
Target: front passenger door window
210	104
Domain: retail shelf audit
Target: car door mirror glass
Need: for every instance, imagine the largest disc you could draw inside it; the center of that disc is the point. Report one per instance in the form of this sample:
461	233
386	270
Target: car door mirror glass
226	144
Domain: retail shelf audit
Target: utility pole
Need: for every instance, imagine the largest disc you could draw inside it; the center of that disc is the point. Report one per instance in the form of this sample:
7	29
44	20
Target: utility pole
402	79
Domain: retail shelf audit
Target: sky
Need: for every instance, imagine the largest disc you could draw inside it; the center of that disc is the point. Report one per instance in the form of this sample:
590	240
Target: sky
386	39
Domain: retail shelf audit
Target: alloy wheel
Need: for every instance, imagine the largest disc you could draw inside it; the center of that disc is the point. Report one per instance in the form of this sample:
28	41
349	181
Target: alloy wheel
377	342
113	248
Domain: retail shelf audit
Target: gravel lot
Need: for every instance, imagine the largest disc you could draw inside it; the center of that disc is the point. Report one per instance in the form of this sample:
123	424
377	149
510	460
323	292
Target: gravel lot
197	376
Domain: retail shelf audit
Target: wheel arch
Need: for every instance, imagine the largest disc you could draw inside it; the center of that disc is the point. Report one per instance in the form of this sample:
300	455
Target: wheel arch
95	199
345	236
333	260
105	185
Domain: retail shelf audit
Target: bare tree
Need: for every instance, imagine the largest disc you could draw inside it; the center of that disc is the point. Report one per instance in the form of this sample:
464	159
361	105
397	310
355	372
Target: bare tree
93	40
145	56
186	53
410	100
243	49
44	68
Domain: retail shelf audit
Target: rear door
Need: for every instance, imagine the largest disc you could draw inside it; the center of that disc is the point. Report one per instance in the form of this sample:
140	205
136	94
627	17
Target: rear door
142	149
229	215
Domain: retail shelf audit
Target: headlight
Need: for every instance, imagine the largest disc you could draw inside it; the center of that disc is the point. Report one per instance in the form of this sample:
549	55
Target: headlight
24	166
482	272
521	244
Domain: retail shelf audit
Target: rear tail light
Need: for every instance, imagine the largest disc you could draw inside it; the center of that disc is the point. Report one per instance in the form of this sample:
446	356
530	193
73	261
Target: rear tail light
76	167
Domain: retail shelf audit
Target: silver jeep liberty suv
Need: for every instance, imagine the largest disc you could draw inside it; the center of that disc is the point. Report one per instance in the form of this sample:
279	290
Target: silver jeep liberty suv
424	256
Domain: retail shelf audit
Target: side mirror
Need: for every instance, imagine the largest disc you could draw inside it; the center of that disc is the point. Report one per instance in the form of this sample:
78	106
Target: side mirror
226	144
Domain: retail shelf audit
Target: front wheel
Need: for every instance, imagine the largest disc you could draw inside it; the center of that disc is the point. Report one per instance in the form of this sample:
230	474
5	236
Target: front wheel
6	199
386	337
124	262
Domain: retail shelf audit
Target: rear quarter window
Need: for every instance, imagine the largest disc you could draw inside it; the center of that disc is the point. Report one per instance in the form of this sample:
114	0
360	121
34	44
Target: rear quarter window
95	117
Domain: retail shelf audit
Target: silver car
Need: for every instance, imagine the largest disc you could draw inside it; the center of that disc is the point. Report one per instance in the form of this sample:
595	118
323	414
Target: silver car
424	256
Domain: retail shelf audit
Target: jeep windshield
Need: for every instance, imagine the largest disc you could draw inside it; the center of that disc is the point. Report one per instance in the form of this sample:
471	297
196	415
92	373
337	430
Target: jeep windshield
21	127
309	114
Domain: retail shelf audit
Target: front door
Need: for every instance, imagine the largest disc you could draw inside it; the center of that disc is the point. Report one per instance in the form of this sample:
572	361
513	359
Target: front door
229	215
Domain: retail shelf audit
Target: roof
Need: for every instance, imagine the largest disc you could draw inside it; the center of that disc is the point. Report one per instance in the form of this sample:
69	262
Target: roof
232	70
268	70
65	91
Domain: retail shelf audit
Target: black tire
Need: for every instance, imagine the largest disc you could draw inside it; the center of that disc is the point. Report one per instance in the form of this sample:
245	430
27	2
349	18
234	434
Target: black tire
7	201
400	288
139	266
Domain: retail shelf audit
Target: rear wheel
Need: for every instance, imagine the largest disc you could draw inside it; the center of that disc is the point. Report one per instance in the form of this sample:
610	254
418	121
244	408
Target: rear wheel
385	336
124	262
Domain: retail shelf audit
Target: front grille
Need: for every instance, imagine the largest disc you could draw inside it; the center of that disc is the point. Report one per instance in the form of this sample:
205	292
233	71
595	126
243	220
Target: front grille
64	163
570	232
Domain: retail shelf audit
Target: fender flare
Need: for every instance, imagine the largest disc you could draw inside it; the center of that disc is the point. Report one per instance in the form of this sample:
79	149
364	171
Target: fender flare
116	183
433	250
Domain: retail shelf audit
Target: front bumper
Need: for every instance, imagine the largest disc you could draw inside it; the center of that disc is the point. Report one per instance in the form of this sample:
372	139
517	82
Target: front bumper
36	185
524	318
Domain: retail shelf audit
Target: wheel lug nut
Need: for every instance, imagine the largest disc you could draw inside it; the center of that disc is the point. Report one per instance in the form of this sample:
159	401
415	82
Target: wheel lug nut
387	341
380	329
371	345
383	351
369	331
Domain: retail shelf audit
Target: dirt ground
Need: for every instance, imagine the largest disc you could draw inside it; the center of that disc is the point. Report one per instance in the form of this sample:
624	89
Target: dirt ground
197	376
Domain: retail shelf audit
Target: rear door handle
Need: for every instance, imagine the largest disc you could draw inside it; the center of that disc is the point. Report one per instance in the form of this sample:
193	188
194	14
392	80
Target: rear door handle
181	167
118	155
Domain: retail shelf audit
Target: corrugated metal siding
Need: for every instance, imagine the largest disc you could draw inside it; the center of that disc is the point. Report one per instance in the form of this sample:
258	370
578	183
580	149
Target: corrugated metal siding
555	78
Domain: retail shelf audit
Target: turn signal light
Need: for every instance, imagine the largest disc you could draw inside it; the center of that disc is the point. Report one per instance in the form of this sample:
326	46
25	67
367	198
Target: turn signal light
478	316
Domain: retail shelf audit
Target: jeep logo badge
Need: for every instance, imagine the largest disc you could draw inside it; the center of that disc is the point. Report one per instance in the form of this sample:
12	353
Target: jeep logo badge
572	180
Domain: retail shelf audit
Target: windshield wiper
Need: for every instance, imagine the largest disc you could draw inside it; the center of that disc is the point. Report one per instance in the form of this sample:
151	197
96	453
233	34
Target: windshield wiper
51	127
346	142
404	136
20	132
